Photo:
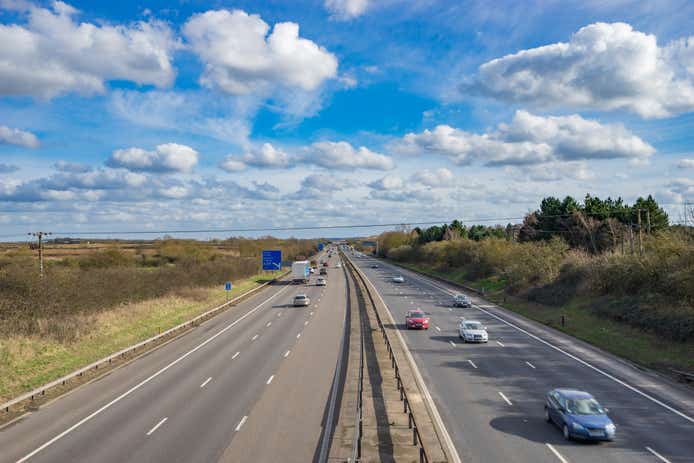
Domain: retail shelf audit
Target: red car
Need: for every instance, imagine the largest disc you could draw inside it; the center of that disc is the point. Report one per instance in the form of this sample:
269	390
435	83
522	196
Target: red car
416	320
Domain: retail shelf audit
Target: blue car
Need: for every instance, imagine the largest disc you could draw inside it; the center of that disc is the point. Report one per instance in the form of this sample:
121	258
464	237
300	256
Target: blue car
578	415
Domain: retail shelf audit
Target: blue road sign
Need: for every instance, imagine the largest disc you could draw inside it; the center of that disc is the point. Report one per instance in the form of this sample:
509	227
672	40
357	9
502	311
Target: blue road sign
272	260
227	286
320	246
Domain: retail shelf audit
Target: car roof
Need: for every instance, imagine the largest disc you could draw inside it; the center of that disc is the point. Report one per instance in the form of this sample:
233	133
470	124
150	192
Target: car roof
417	311
471	321
301	295
573	393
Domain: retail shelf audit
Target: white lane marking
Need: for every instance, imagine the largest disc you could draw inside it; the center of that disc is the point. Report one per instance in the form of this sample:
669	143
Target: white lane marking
573	357
254	338
286	354
235	355
156	426
450	310
310	314
472	363
279	314
269	380
437	328
530	365
452	343
243	420
505	398
657	455
306	323
268	324
149	378
500	343
556	454
206	381
298	336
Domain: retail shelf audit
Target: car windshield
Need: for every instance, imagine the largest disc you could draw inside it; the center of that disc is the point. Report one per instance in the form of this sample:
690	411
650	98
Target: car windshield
417	314
473	326
301	296
584	407
460	297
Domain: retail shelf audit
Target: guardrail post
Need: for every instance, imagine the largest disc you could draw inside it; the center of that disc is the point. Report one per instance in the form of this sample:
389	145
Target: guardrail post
422	456
414	435
404	404
409	420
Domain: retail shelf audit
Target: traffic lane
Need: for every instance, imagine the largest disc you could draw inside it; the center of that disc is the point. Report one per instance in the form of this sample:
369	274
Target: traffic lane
50	420
635	411
287	421
120	427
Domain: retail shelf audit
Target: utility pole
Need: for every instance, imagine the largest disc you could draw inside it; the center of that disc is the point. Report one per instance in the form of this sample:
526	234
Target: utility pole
39	235
640	235
648	221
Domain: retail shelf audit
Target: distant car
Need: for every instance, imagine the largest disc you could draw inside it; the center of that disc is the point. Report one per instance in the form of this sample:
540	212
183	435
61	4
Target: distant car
578	415
461	300
398	279
338	265
301	300
472	331
325	264
312	270
321	282
416	319
323	271
374	265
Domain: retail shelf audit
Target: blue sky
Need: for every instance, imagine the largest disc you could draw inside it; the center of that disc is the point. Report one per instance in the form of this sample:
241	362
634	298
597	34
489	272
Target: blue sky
184	115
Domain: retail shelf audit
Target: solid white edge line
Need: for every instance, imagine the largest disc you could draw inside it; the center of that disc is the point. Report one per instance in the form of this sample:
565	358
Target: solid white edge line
205	382
447	441
571	356
269	380
556	454
148	379
530	365
472	363
286	354
505	398
235	355
243	420
156	426
659	456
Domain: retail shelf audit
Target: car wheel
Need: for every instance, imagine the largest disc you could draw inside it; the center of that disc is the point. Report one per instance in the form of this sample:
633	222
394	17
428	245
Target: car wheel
547	417
565	430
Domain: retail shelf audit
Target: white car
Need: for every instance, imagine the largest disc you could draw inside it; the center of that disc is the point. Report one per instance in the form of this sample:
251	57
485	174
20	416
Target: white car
301	300
472	331
338	265
321	282
398	279
312	270
461	300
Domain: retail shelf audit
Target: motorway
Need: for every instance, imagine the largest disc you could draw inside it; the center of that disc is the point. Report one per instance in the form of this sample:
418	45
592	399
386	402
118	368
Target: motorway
251	384
490	396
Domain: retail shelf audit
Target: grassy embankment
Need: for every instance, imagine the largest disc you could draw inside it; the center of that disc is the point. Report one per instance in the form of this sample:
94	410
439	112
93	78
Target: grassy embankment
637	307
96	303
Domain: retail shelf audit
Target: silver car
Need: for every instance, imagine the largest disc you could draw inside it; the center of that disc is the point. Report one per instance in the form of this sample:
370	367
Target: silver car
398	279
321	282
461	300
301	300
472	331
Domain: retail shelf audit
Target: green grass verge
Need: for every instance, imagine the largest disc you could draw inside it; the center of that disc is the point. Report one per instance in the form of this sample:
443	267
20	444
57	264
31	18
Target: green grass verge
28	362
612	336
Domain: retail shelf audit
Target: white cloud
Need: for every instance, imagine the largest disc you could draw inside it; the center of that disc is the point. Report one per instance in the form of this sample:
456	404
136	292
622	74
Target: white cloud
166	158
346	9
439	178
389	182
342	155
603	67
681	189
685	163
327	154
529	139
53	54
8	168
317	186
551	172
241	58
17	137
75	167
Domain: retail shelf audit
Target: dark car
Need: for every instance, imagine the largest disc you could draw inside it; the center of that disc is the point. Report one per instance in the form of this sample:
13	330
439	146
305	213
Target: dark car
323	271
578	415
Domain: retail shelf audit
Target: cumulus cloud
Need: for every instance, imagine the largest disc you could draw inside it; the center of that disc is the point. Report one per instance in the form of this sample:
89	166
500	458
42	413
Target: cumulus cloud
346	9
552	171
76	167
529	139
240	57
327	154
420	186
342	155
17	137
53	54
166	158
389	182
685	163
439	178
681	189
316	186
603	67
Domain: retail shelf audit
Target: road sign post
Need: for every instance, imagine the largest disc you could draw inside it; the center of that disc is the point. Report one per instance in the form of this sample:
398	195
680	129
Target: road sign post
272	260
227	289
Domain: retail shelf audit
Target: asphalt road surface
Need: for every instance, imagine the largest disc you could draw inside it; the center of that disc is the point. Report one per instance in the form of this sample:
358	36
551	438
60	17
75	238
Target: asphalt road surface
251	384
490	396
